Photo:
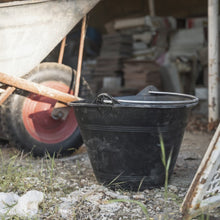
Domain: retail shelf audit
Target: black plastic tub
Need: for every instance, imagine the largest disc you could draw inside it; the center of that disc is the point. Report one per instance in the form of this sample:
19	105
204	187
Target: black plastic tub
122	136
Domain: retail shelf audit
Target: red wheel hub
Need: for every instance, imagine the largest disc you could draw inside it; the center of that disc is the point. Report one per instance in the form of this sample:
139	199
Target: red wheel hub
36	114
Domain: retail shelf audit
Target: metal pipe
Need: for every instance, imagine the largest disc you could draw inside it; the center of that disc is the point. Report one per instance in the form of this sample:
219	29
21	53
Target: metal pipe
79	65
213	57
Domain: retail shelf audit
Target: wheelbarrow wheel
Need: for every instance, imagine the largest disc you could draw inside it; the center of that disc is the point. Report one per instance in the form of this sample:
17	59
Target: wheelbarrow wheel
26	118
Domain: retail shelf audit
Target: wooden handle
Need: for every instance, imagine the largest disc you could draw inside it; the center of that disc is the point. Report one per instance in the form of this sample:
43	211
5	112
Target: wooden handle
36	88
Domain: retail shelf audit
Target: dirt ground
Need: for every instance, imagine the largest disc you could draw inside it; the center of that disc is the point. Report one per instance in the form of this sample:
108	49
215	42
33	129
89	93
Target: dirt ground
76	172
193	148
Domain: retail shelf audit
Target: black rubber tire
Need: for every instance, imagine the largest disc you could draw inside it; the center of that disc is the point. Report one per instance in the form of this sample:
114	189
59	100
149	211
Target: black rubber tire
11	113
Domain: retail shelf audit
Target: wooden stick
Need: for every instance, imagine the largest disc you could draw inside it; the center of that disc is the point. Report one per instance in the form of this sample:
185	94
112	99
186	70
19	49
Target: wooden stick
151	7
81	47
6	94
36	88
62	48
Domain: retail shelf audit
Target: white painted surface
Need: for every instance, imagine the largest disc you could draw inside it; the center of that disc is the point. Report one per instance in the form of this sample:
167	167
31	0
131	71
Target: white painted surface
213	56
29	32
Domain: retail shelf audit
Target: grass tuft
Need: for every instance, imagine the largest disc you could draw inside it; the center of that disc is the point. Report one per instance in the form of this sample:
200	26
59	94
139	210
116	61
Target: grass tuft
166	164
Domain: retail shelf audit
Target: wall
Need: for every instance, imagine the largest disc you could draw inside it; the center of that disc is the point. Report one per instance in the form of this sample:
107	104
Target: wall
108	10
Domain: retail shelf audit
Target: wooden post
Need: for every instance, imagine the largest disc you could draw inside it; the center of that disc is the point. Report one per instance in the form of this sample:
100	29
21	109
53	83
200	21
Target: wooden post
62	48
81	47
151	7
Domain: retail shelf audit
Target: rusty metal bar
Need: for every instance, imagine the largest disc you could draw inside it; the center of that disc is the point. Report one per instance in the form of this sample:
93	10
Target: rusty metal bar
62	48
213	57
81	47
36	88
6	94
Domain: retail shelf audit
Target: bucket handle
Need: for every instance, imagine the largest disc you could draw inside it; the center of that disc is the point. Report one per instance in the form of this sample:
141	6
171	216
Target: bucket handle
105	98
193	99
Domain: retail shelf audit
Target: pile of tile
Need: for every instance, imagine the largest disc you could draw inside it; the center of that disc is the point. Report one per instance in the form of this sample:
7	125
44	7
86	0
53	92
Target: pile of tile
116	45
129	53
108	72
150	42
139	74
149	35
88	72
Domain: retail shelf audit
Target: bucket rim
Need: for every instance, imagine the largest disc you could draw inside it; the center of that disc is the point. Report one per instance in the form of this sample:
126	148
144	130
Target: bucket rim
192	99
117	102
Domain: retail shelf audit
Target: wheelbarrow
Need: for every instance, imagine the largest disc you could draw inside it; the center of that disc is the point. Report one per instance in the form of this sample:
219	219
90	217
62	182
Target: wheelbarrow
35	117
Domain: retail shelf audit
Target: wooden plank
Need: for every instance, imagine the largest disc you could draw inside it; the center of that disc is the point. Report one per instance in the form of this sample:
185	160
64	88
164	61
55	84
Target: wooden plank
81	48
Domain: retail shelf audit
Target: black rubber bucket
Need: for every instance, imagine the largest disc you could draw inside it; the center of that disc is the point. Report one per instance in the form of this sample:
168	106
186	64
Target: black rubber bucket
122	136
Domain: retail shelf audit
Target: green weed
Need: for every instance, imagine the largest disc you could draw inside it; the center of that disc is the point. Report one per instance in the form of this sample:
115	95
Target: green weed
166	164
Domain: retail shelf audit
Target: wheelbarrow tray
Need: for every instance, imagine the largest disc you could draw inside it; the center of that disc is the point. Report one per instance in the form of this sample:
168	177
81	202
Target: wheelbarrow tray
29	30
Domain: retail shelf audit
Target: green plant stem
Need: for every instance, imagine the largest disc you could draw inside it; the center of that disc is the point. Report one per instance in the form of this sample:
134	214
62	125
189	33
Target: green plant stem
166	164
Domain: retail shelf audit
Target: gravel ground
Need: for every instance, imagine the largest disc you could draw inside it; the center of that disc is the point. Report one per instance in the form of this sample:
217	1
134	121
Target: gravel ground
72	192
